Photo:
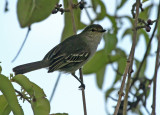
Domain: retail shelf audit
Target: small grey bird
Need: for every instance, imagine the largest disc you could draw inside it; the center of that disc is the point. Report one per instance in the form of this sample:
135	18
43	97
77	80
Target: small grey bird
69	55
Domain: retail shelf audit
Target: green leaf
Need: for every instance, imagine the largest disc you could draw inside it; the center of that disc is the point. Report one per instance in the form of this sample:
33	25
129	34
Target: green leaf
4	106
0	69
143	68
68	28
102	14
100	76
31	11
128	31
146	36
158	27
110	42
121	4
100	59
40	104
8	91
144	1
108	92
114	23
60	114
121	64
94	4
145	14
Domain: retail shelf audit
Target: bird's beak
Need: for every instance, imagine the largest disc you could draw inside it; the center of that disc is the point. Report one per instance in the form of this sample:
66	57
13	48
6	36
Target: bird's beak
103	30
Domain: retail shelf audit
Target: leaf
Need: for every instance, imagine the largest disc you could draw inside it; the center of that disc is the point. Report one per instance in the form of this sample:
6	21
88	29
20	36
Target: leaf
31	11
68	28
114	23
128	31
100	59
145	14
145	1
60	114
4	106
146	36
121	4
0	69
100	76
102	13
94	4
40	104
8	91
110	42
108	92
143	68
121	64
158	27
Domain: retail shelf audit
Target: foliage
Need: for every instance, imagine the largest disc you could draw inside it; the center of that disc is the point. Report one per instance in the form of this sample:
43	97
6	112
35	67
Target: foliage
30	92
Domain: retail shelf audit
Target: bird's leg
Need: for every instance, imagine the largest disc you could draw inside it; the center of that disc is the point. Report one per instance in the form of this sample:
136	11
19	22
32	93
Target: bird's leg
82	84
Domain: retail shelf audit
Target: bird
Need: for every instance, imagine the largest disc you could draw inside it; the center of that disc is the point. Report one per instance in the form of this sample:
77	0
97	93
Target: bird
69	55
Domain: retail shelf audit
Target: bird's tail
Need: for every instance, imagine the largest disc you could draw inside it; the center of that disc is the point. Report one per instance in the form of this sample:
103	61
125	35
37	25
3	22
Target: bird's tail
21	69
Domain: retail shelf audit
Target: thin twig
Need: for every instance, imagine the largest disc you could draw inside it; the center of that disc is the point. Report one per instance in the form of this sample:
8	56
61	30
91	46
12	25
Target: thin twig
22	96
90	19
72	16
83	93
6	6
128	68
24	41
55	87
147	50
131	56
80	70
155	77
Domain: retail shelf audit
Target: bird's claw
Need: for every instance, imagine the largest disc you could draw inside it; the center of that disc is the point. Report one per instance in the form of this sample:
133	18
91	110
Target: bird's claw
82	86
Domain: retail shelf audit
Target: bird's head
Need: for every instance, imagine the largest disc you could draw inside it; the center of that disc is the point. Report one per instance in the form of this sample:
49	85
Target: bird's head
94	29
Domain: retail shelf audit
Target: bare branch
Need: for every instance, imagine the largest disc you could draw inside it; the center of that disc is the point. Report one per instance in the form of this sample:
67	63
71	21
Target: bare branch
128	68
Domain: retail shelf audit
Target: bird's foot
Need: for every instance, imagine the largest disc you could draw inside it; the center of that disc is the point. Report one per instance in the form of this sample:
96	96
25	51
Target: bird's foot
82	86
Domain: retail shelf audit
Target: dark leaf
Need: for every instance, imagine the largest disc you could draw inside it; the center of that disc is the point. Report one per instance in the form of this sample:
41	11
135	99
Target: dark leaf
31	11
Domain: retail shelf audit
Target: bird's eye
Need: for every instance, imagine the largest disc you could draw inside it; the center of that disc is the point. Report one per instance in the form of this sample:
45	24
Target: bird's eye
93	29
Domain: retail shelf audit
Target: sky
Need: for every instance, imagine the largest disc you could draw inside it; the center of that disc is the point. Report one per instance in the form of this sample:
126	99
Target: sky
43	37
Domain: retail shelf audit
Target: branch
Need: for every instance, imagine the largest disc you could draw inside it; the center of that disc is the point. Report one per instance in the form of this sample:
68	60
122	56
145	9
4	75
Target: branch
55	87
155	77
72	16
80	70
83	93
22	95
128	68
24	41
147	51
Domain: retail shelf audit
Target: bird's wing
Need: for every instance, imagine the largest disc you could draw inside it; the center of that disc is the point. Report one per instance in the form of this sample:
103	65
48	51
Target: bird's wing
63	60
77	57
